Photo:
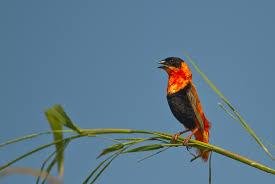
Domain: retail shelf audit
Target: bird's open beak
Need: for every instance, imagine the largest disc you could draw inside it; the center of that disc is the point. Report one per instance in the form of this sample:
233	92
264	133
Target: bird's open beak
163	66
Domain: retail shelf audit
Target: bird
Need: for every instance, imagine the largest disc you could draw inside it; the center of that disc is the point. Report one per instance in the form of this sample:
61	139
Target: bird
185	104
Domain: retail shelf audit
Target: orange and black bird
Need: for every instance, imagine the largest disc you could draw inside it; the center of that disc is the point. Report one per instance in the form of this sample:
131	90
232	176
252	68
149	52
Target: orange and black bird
184	102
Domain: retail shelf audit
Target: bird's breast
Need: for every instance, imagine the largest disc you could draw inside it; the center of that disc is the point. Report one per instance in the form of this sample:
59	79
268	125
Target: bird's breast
181	107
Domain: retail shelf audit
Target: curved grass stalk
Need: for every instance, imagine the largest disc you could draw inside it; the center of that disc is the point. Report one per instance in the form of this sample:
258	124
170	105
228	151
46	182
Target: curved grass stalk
161	135
120	148
192	143
31	136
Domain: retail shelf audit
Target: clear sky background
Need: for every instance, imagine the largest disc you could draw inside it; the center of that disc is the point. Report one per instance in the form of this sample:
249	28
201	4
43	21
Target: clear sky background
99	60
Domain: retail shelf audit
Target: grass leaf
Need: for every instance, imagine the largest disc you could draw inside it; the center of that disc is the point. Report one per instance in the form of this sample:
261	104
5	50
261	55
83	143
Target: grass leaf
105	167
110	149
153	154
120	145
36	150
233	109
55	120
110	158
43	166
54	161
145	148
57	112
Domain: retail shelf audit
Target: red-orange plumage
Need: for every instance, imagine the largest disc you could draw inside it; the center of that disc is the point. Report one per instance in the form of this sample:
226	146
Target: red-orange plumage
203	134
184	101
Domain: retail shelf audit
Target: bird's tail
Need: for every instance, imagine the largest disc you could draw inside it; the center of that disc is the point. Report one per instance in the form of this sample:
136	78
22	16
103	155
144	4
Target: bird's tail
203	136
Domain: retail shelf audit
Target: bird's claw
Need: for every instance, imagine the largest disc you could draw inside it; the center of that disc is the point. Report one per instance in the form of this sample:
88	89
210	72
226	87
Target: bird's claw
175	138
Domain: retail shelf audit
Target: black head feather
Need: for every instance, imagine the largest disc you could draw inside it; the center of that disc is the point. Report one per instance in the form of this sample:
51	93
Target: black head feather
172	61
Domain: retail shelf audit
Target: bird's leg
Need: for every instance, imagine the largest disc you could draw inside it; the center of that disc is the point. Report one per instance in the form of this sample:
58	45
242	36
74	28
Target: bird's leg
186	140
176	136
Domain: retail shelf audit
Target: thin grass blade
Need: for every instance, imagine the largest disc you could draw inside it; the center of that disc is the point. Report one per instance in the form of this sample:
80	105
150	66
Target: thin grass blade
44	165
36	150
111	158
101	171
23	138
152	155
54	161
96	169
120	146
150	147
49	168
110	149
235	112
227	111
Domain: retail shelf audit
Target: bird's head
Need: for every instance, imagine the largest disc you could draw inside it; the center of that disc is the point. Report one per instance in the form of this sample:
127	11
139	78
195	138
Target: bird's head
178	71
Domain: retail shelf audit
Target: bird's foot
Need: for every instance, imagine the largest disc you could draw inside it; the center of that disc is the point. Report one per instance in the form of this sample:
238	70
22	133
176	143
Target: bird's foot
175	137
187	139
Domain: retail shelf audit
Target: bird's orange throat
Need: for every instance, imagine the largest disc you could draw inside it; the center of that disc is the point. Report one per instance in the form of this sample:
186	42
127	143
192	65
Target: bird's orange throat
178	78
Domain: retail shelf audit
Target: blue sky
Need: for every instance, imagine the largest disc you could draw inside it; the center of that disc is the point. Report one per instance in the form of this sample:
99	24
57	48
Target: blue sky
99	60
